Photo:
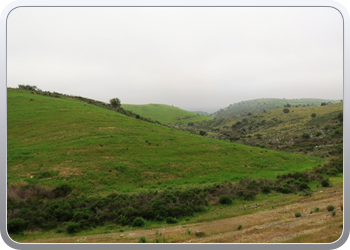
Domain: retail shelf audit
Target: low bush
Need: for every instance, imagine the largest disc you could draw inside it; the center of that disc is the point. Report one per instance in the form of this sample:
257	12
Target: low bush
333	213
73	227
239	227
16	225
171	220
142	239
224	199
297	214
138	222
330	208
317	209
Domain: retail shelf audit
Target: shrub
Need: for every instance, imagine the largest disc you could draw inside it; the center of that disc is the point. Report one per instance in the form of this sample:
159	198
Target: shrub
171	220
239	227
202	133
305	136
266	189
199	234
62	191
318	133
224	199
138	222
16	225
330	208
333	213
188	231
325	183
142	239
313	115
247	195
285	111
73	227
27	87
305	193
297	214
303	186
317	209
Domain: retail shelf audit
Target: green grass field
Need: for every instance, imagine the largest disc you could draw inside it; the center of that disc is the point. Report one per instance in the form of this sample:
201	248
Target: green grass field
165	113
99	151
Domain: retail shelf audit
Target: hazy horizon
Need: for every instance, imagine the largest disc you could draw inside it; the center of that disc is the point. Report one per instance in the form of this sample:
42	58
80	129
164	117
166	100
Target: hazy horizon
197	59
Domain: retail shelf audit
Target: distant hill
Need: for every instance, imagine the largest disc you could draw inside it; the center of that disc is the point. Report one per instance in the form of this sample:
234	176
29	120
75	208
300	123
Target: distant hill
313	130
165	113
243	108
201	113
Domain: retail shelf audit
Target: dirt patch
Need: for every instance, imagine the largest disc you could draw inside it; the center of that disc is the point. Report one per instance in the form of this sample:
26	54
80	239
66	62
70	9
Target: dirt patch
106	128
108	157
17	166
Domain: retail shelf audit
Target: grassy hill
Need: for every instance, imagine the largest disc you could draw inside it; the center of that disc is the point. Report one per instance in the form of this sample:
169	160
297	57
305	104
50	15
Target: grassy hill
98	150
242	109
165	113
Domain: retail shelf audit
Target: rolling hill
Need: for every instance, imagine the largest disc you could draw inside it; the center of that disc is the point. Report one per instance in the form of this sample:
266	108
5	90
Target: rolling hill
165	113
53	141
243	108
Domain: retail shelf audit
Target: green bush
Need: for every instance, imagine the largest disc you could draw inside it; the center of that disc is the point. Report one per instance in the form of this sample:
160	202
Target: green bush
297	214
62	191
330	208
224	199
305	136
266	189
325	183
171	220
142	239
317	209
16	225
333	213
138	222
188	231
239	227
73	227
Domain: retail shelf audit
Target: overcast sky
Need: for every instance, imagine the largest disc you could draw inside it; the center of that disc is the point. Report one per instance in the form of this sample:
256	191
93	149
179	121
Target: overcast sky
192	58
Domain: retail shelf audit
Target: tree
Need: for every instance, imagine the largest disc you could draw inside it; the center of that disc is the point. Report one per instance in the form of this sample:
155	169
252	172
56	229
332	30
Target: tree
203	133
313	115
323	104
285	111
115	102
287	105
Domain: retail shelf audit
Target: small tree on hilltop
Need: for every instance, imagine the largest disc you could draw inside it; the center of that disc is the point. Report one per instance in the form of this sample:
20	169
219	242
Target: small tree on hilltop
323	104
115	102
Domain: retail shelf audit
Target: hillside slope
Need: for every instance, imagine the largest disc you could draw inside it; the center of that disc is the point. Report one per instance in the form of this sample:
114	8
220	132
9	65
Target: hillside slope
242	109
54	141
165	113
314	130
